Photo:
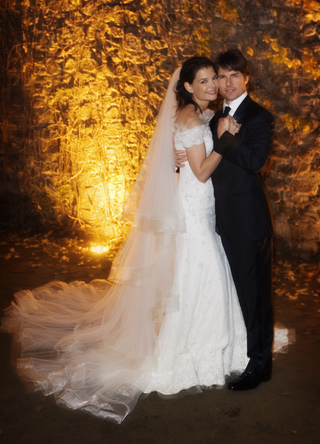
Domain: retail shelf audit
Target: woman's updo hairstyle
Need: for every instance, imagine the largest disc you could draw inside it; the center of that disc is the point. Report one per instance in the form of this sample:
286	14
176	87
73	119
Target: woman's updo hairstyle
187	74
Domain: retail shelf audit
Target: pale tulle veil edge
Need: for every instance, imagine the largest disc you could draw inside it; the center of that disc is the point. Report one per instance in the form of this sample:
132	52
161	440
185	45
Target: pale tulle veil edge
94	346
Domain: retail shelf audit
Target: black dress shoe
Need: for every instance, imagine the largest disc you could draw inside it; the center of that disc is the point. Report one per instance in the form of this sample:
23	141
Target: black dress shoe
248	381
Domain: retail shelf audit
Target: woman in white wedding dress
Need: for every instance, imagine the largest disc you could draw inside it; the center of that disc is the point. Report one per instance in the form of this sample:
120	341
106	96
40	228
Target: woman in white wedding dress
168	318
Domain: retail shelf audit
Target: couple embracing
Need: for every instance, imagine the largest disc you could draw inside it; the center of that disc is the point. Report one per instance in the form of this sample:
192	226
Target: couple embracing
188	298
242	137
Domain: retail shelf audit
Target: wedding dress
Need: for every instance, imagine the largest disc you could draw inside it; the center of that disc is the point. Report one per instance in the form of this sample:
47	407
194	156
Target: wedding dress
168	318
206	339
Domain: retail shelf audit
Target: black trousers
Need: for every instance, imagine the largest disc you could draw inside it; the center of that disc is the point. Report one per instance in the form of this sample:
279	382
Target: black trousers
251	267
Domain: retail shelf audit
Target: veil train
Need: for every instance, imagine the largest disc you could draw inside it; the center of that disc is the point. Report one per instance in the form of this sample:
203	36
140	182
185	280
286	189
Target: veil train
94	346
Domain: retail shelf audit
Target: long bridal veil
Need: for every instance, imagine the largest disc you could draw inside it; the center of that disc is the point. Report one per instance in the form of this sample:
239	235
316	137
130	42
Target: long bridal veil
94	346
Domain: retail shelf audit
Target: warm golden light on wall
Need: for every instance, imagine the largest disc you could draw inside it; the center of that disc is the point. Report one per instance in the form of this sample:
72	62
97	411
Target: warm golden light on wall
98	89
282	55
103	110
99	249
88	77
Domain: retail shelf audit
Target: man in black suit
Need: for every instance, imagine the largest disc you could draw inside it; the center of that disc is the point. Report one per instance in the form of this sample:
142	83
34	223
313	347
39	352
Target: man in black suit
243	216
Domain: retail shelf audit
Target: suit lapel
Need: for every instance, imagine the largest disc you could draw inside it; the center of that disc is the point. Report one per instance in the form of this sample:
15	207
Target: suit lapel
242	109
241	113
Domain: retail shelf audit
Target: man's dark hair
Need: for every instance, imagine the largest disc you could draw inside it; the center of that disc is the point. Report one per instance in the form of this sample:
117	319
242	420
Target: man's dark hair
232	60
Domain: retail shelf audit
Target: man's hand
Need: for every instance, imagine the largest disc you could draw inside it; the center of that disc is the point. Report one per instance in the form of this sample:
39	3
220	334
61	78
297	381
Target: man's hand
180	157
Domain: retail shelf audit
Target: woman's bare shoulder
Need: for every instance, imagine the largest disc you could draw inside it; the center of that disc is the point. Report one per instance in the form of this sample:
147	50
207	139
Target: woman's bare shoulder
188	117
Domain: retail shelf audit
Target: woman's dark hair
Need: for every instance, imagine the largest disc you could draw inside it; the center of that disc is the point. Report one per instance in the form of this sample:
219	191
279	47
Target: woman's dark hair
187	74
232	60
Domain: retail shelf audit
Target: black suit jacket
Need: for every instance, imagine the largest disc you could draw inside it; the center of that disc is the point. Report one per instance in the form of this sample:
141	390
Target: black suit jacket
242	206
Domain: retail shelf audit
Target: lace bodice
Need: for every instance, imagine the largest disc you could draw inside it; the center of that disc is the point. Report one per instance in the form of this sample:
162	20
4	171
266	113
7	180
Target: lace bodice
196	196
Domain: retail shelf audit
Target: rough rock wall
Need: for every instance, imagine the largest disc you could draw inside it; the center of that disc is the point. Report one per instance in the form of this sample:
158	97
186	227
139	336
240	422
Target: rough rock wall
82	82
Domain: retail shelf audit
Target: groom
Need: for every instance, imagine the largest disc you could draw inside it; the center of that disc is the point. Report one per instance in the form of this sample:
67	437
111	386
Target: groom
243	217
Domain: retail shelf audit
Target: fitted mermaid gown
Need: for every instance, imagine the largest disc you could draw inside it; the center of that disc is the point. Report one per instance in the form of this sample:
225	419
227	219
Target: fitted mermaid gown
97	347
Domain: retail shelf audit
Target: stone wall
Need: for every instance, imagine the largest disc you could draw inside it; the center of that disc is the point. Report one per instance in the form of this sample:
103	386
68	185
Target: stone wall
82	82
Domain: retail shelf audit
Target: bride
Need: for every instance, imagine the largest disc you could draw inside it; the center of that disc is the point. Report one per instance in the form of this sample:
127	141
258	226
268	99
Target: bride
168	318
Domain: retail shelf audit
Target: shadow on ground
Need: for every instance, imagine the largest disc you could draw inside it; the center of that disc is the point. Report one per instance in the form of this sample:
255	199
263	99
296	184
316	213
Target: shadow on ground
285	410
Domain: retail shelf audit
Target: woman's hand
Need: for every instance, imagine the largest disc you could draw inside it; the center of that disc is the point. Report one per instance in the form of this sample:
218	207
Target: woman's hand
180	157
229	124
223	125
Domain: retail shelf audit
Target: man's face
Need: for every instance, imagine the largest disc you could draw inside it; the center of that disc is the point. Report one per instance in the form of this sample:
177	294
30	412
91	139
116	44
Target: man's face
232	84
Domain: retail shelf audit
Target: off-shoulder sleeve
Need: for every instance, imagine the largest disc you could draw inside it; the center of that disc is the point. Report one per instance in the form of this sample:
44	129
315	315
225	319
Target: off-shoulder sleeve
190	137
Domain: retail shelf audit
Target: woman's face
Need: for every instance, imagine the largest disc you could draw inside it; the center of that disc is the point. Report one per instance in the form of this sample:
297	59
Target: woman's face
204	88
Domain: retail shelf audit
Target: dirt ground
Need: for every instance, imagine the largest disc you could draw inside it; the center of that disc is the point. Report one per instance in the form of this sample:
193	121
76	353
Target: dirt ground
284	410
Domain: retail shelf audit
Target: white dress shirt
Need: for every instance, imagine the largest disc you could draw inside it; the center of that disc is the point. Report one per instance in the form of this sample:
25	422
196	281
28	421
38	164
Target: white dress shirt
234	105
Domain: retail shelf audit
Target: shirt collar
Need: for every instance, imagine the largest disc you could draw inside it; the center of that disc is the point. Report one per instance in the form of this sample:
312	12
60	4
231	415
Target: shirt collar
234	105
